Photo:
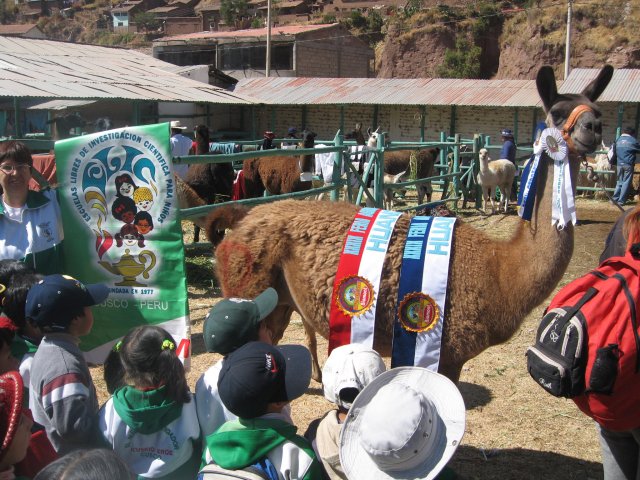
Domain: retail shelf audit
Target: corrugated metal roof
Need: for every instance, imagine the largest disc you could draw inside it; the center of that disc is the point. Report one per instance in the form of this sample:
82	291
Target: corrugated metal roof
377	91
16	28
623	87
48	69
60	104
249	33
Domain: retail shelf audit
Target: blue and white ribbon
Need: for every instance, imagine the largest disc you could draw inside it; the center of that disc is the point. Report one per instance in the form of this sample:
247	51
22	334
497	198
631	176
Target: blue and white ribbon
420	315
563	209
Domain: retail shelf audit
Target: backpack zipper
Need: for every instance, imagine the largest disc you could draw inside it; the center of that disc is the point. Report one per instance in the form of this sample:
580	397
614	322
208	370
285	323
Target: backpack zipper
548	359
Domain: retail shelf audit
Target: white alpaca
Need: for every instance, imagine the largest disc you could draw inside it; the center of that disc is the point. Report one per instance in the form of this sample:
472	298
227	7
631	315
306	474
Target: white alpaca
388	192
498	173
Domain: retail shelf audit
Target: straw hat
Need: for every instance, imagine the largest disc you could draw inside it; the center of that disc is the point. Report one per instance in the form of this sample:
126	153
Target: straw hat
406	423
177	125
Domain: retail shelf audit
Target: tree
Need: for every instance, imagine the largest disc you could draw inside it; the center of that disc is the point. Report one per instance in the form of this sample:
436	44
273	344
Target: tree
146	21
232	11
461	62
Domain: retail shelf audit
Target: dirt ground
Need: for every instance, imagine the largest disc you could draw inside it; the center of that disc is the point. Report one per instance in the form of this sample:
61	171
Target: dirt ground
515	430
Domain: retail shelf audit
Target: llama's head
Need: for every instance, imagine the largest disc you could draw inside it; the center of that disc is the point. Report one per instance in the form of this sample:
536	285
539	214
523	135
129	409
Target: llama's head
576	115
373	137
356	135
308	139
484	155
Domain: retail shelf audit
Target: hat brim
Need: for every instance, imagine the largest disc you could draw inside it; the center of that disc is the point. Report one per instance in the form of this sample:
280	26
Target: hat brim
298	373
266	302
98	291
451	410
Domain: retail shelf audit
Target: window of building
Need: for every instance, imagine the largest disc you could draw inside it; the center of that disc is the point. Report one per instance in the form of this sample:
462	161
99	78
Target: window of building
196	55
238	57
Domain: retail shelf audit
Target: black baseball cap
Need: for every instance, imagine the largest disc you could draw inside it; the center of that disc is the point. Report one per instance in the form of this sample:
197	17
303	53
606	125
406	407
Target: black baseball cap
232	322
257	374
53	301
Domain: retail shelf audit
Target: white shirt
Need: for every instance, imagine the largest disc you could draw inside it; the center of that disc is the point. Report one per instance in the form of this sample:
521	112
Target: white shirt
180	146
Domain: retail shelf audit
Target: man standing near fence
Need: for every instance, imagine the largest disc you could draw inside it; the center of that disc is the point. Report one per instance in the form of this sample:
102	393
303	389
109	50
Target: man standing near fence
627	147
508	152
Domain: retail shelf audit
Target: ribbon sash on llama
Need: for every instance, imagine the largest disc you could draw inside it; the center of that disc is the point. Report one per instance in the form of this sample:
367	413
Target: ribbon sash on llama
563	209
355	289
417	329
120	214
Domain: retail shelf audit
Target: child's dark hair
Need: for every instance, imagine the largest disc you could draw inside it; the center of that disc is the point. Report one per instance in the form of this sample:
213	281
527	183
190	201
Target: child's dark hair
16	296
96	464
146	356
6	336
8	268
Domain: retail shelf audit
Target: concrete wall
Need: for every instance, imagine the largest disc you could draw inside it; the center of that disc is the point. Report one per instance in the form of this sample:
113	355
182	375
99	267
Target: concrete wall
403	122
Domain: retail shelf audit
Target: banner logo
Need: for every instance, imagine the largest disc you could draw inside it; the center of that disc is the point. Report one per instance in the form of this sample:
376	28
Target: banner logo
418	312
355	295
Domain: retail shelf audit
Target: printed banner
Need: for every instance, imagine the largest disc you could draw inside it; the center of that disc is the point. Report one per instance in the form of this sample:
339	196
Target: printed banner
355	291
420	315
119	208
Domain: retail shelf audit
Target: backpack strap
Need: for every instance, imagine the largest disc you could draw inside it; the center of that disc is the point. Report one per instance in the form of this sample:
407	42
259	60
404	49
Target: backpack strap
630	301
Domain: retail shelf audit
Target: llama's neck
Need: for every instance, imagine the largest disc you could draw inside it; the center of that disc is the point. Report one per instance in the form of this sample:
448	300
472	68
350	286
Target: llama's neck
484	165
306	165
535	259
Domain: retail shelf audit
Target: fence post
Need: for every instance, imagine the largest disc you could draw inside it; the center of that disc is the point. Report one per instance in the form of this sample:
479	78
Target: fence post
378	179
456	164
337	168
477	144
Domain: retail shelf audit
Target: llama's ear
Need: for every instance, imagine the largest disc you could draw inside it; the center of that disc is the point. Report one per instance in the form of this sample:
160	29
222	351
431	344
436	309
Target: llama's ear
377	129
369	131
596	87
546	83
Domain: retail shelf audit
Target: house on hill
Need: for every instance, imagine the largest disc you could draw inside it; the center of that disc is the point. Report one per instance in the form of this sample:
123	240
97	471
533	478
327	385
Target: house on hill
25	30
125	11
327	50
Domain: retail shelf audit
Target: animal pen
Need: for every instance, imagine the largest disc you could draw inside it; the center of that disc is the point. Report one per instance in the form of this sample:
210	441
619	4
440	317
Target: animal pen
457	168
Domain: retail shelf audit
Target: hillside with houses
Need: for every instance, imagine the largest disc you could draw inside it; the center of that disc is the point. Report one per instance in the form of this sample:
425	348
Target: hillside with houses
398	38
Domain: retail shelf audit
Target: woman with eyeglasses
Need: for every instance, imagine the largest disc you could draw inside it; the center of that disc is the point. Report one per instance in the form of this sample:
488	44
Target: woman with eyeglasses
30	223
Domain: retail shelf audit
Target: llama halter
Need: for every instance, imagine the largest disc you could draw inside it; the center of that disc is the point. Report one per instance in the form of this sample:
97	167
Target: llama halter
571	123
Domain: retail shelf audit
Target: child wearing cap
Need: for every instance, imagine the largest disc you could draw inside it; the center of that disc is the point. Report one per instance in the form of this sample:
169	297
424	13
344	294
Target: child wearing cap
256	382
231	323
348	370
62	396
15	427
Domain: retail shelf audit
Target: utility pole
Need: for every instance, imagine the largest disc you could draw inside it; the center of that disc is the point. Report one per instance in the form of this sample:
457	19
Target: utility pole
267	70
568	42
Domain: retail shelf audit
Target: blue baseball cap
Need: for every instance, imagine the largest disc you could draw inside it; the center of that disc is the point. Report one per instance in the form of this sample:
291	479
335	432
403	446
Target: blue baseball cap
292	130
507	132
53	301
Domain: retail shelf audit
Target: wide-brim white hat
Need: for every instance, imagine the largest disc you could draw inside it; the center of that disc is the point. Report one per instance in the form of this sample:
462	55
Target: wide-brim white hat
406	424
177	125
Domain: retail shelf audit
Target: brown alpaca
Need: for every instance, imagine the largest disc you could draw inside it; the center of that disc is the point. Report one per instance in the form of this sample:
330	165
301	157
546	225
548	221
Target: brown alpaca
399	161
188	198
279	174
295	247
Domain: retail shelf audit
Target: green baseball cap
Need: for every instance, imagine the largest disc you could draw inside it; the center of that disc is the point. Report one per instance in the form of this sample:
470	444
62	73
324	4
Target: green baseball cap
232	322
